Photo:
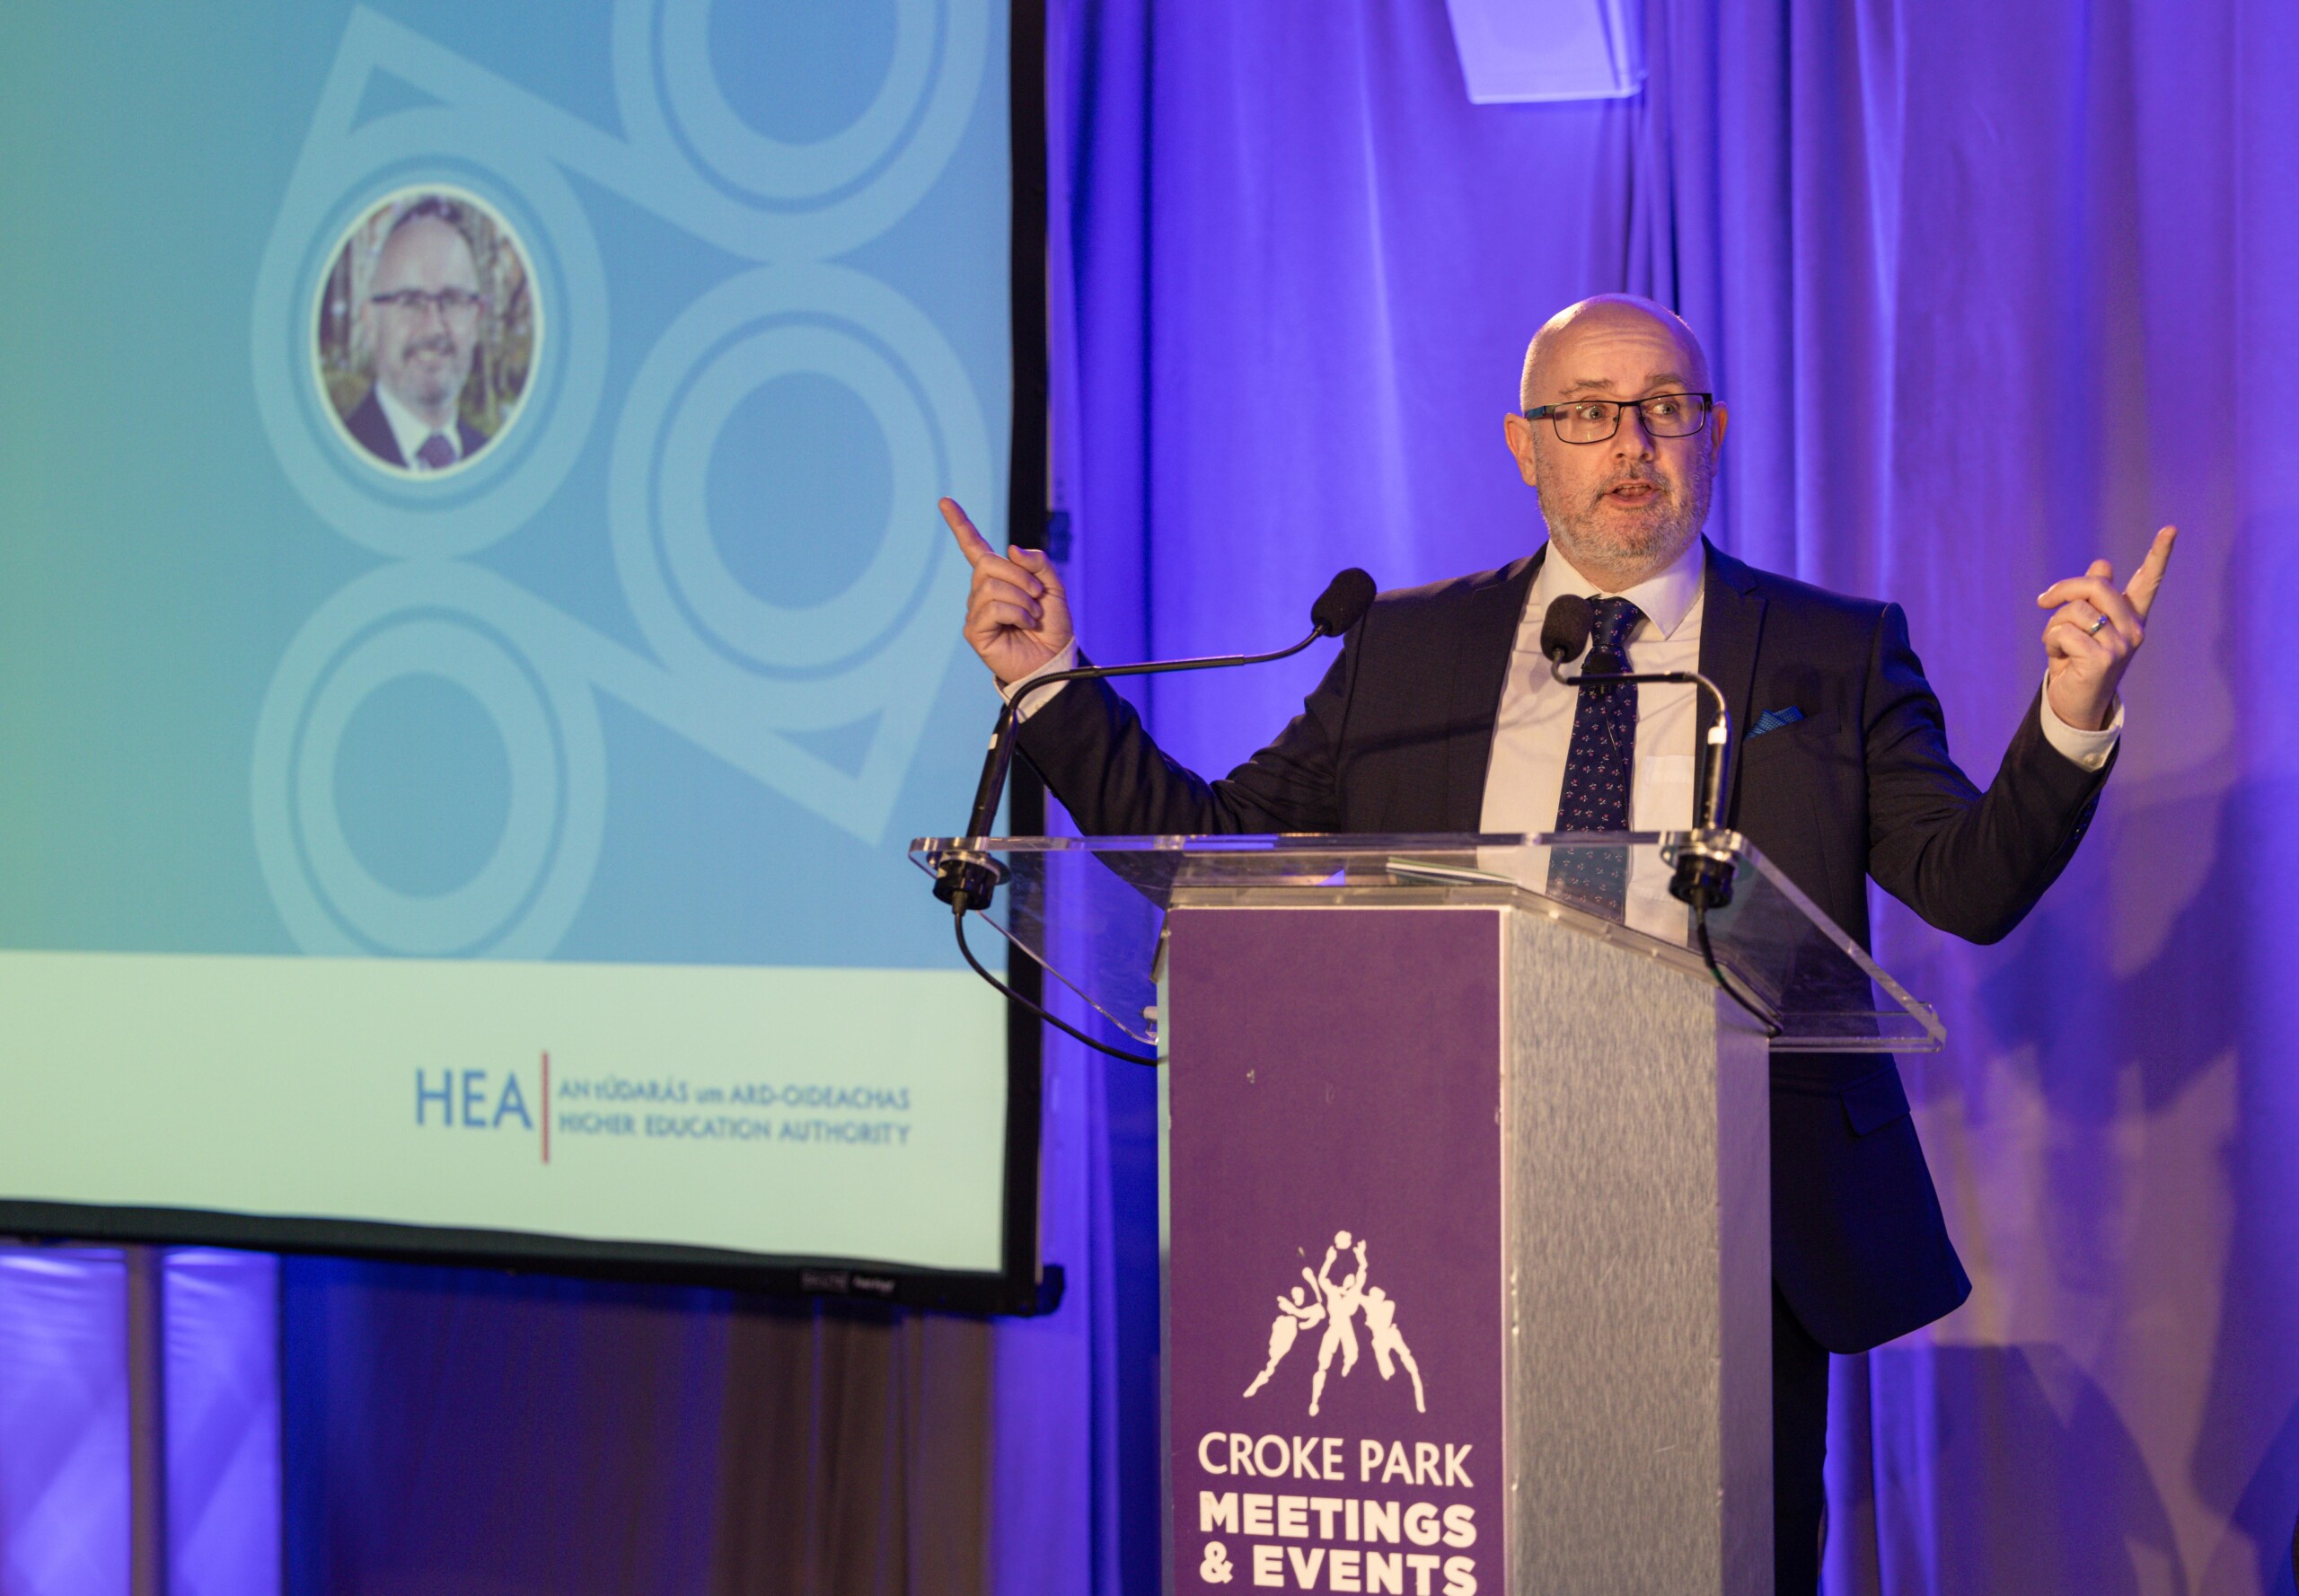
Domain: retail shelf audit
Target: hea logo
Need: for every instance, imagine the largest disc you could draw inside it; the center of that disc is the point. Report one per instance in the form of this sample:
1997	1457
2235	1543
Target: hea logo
483	1100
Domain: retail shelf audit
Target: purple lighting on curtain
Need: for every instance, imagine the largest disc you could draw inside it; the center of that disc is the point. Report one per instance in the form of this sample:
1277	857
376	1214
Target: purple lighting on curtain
1991	291
65	1472
221	1363
64	1507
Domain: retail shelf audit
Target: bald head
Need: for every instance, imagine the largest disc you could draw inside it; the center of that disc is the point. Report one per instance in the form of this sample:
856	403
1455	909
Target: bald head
1560	362
1620	505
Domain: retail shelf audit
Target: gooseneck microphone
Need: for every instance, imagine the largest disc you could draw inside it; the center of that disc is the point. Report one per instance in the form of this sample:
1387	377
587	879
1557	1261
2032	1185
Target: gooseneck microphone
1705	866
967	877
1707	859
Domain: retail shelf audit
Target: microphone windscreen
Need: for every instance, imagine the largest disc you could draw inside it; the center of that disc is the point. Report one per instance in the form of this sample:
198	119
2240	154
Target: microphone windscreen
1343	603
1565	629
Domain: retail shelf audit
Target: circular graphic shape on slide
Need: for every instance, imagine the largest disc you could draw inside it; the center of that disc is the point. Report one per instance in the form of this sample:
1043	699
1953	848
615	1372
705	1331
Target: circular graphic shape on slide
762	627
512	877
779	170
428	328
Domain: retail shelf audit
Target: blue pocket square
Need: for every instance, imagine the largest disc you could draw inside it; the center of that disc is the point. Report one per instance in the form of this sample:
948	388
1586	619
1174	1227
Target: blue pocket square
1774	719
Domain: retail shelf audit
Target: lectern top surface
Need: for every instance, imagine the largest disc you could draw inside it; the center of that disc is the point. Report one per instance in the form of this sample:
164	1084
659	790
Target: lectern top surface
1091	910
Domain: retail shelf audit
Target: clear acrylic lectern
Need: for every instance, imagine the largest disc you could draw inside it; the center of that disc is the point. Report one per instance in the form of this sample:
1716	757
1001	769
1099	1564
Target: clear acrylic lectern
1466	1193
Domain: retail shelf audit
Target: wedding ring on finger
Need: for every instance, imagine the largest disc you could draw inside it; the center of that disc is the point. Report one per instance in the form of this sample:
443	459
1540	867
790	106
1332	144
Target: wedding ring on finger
2096	628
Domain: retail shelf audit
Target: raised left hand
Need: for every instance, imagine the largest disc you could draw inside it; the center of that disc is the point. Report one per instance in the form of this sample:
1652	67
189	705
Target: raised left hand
2095	631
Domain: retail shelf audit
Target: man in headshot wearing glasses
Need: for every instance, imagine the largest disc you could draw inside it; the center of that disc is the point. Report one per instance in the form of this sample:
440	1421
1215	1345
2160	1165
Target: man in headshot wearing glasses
420	319
1440	715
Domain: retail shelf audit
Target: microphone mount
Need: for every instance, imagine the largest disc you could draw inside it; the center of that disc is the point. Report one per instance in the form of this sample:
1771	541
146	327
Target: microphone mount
967	877
967	874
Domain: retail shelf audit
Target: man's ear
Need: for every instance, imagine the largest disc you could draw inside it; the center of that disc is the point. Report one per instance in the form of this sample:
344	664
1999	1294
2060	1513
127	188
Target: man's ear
1716	426
1520	435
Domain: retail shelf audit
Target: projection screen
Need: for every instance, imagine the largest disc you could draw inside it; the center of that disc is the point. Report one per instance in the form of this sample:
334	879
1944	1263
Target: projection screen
475	636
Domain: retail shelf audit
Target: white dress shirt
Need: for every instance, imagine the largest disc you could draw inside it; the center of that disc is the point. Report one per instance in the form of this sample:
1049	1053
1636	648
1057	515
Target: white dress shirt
410	432
1534	731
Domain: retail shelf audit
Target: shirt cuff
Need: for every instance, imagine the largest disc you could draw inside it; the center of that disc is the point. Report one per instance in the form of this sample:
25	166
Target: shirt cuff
2088	749
1067	660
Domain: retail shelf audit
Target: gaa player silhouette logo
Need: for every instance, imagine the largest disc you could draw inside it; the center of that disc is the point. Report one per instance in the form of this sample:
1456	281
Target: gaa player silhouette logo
1336	1305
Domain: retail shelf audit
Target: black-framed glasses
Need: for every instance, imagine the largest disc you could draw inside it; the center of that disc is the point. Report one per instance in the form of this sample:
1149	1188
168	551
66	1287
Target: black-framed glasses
453	304
1593	420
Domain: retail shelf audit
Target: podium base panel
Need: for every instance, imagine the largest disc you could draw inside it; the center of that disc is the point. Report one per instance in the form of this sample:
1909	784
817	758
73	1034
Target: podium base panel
1468	1273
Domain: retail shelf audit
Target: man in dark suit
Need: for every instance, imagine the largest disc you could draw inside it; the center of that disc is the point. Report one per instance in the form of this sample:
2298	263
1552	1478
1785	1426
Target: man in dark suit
421	320
1440	715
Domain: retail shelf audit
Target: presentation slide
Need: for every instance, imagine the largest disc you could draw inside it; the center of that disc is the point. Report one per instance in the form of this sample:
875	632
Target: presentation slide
475	635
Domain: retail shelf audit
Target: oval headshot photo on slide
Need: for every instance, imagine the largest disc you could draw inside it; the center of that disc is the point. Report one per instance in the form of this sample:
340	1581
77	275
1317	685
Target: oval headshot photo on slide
428	331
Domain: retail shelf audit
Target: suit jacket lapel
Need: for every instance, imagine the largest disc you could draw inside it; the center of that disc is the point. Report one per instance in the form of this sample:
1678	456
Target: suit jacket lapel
1481	650
1730	629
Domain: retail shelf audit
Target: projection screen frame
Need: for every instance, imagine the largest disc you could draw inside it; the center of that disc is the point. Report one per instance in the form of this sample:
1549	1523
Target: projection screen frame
1023	1284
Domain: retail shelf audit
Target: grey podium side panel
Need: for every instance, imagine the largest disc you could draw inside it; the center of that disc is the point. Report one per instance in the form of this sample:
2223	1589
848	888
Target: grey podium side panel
1744	1271
1636	1213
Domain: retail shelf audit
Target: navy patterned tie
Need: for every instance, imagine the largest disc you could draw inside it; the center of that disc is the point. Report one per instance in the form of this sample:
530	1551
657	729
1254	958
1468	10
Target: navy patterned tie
436	452
1599	770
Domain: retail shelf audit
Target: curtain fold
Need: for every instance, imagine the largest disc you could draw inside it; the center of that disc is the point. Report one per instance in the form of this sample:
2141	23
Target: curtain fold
220	1381
468	1433
64	1403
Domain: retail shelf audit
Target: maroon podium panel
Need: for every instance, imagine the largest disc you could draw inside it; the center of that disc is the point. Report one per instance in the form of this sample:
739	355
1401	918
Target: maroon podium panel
1334	1298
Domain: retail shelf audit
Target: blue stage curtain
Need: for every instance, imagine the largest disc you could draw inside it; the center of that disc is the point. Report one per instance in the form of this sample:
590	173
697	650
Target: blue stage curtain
64	1464
66	1478
220	1340
1993	286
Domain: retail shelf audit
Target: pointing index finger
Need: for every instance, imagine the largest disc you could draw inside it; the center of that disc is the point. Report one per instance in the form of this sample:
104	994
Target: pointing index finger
971	542
2149	578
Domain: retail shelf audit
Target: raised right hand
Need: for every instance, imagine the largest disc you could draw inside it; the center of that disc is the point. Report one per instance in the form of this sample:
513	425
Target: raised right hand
1017	615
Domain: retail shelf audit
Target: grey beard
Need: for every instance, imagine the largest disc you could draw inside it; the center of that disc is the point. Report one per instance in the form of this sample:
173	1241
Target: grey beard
1576	527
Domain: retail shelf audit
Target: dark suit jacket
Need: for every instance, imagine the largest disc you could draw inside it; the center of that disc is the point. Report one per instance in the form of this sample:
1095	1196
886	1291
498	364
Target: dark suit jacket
372	430
1397	739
